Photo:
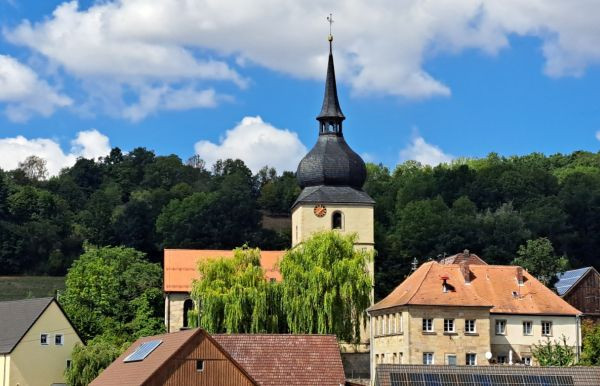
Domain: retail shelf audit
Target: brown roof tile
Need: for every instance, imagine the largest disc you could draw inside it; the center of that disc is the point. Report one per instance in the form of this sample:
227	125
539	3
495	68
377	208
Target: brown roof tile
283	359
181	266
466	256
494	286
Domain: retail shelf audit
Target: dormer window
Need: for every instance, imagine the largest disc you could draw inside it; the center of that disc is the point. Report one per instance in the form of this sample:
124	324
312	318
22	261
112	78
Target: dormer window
337	220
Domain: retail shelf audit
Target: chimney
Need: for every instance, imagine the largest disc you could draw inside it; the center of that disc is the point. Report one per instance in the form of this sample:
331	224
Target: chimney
466	254
520	275
465	271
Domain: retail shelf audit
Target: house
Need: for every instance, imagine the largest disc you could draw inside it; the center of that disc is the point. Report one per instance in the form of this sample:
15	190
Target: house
36	340
581	289
194	357
468	314
181	269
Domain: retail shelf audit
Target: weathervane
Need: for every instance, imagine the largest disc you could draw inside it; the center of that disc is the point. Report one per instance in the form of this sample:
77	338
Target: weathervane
330	20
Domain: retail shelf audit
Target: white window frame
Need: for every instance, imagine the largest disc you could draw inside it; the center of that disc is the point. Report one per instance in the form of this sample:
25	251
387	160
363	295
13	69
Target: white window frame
449	326
500	322
448	356
470	326
472	356
428	358
62	340
526	360
527	331
549	324
427	325
392	324
47	338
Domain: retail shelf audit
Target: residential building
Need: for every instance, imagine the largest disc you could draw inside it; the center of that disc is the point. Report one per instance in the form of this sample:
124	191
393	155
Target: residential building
581	289
468	314
181	269
36	340
194	357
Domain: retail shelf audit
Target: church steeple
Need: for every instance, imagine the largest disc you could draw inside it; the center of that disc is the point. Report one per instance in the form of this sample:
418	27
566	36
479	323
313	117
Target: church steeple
331	115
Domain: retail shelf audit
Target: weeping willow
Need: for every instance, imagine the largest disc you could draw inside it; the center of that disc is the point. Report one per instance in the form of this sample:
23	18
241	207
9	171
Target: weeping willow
235	297
326	286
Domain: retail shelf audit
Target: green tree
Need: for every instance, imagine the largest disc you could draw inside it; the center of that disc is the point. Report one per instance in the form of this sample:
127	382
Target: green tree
591	344
87	362
326	286
550	353
235	295
538	258
113	291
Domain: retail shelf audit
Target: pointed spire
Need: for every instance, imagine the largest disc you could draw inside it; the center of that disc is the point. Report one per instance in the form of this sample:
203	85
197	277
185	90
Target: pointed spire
331	110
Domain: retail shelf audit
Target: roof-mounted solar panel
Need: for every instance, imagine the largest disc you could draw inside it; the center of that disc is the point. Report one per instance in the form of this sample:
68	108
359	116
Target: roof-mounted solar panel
143	351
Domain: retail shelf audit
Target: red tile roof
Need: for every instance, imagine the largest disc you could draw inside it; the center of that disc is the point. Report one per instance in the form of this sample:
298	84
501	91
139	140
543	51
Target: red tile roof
494	286
181	266
283	359
466	256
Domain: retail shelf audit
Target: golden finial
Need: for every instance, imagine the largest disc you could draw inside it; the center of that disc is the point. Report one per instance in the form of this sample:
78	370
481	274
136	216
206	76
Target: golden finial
330	20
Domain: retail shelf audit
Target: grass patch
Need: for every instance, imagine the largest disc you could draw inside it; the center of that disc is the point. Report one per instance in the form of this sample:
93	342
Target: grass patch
24	287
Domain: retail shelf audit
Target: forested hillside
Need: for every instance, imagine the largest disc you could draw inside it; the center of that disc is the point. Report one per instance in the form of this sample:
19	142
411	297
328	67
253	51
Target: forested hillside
490	206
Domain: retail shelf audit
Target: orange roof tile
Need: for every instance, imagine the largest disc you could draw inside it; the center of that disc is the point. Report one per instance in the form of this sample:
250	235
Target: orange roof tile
491	286
465	256
181	266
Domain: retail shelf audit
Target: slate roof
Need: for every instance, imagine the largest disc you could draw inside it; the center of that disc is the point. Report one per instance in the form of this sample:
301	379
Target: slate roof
331	105
181	266
285	359
495	286
333	194
16	318
569	279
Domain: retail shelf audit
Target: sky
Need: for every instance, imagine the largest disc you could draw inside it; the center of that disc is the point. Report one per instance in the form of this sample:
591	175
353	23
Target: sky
430	80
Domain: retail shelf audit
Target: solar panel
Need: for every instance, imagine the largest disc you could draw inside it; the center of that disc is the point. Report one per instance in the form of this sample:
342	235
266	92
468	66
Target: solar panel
426	378
567	279
143	351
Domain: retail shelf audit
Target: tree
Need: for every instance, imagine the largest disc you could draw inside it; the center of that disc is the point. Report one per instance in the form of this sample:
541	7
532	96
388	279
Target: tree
591	344
112	291
538	258
550	353
326	286
235	295
34	168
87	362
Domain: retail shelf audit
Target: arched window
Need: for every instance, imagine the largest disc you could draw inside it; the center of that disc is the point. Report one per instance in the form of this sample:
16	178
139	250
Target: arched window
188	305
337	220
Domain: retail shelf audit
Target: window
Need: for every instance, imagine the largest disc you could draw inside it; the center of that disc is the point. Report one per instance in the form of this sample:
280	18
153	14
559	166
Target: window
471	359
470	326
395	358
427	325
336	220
400	356
382	358
58	339
546	328
188	305
427	358
501	359
384	325
526	360
199	365
68	364
448	325
376	358
399	323
451	360
500	327
44	339
527	327
392	324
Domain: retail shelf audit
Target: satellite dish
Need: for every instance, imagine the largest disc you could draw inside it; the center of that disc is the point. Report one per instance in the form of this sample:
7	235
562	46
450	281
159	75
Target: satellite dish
488	355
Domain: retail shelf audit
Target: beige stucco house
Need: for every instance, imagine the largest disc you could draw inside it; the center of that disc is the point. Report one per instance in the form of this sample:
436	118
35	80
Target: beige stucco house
461	311
36	340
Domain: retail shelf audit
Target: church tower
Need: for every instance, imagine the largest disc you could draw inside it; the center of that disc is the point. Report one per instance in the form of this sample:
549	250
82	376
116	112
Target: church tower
331	176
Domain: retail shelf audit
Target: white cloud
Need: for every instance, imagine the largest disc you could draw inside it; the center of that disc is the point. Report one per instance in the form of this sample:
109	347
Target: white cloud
88	144
381	46
425	153
598	135
24	93
258	144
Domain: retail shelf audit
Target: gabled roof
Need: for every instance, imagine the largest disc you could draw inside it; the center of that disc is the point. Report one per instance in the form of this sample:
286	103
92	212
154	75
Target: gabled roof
137	373
16	318
284	359
569	279
181	266
495	286
464	257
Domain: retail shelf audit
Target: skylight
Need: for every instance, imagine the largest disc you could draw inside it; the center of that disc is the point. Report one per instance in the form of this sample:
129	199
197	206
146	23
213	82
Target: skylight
143	351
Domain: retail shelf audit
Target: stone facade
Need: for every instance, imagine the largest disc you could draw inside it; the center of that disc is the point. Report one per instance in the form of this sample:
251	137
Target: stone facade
174	309
398	336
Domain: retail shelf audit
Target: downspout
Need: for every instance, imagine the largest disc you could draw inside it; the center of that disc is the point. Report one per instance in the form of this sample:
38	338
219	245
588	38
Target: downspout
371	349
168	299
4	375
577	336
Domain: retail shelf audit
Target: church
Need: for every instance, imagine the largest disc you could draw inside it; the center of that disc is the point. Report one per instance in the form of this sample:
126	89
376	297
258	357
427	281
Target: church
331	176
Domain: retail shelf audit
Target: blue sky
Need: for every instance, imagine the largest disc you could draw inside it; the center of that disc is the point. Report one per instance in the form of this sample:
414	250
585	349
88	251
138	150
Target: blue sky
463	83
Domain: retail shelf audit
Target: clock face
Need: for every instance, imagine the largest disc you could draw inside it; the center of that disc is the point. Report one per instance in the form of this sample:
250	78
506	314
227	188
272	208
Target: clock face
320	210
